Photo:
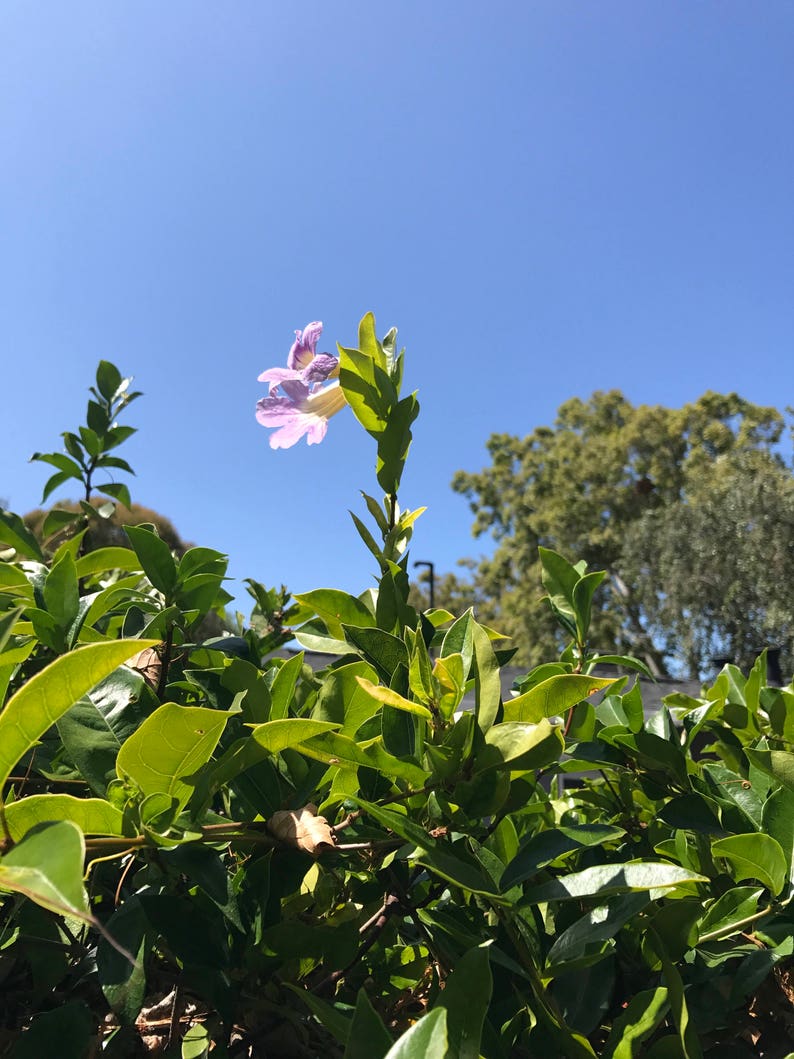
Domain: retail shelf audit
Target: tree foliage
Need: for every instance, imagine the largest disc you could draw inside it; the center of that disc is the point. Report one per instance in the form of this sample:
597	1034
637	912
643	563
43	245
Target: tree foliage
663	500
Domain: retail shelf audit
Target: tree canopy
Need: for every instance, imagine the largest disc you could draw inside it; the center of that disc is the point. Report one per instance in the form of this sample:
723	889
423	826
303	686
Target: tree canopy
690	510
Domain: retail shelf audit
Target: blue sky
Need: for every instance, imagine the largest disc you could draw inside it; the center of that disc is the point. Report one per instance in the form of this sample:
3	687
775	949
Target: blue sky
546	198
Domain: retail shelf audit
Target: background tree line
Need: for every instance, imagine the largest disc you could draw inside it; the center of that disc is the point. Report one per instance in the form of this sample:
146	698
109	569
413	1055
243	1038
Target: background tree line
690	510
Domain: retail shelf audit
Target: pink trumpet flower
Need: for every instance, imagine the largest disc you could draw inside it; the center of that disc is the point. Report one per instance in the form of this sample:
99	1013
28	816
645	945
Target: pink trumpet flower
305	405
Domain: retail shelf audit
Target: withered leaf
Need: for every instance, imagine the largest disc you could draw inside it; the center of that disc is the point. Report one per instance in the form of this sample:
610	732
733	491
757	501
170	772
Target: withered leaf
149	664
303	829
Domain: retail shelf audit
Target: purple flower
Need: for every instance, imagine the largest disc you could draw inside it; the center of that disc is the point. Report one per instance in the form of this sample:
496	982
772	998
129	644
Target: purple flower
305	405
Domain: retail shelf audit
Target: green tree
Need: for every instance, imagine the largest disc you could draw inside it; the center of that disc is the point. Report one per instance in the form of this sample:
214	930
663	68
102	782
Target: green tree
604	484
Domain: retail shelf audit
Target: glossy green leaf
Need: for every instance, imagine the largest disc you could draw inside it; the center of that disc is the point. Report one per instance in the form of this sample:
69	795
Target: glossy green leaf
487	683
119	491
15	534
368	1037
388	697
337	608
94	816
552	697
466	998
382	650
275	736
643	1013
95	728
108	379
607	879
45	697
777	821
329	1015
67	1032
394	441
437	854
426	1039
282	690
687	1033
122	981
729	912
596	926
169	748
521	746
547	846
104	559
47	867
776	763
343	701
336	749
155	558
754	857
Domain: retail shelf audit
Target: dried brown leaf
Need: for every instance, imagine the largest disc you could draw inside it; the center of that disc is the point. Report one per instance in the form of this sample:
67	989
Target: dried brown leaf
149	664
303	829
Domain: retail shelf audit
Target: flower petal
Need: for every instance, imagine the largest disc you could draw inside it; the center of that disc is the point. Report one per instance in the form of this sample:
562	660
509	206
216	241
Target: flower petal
276	376
302	351
322	367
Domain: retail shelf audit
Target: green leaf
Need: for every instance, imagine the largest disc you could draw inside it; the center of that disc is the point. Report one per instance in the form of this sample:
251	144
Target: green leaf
276	736
170	746
196	1042
335	749
57	520
337	609
521	746
437	854
358	382
94	816
487	683
552	697
123	982
7	623
15	534
382	650
68	1032
596	926
391	698
546	846
55	482
368	341
327	1014
108	379
368	1037
583	592
98	418
728	913
394	442
777	821
754	857
776	763
640	1018
559	579
47	867
95	728
607	879
466	998
687	1033
104	559
156	558
458	640
342	700
61	592
48	695
426	1039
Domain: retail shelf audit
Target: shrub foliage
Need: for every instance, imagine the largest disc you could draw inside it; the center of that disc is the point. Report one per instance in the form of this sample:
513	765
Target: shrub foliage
208	848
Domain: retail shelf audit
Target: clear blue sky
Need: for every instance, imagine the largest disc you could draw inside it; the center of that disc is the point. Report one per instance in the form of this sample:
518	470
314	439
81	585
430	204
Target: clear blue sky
546	197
